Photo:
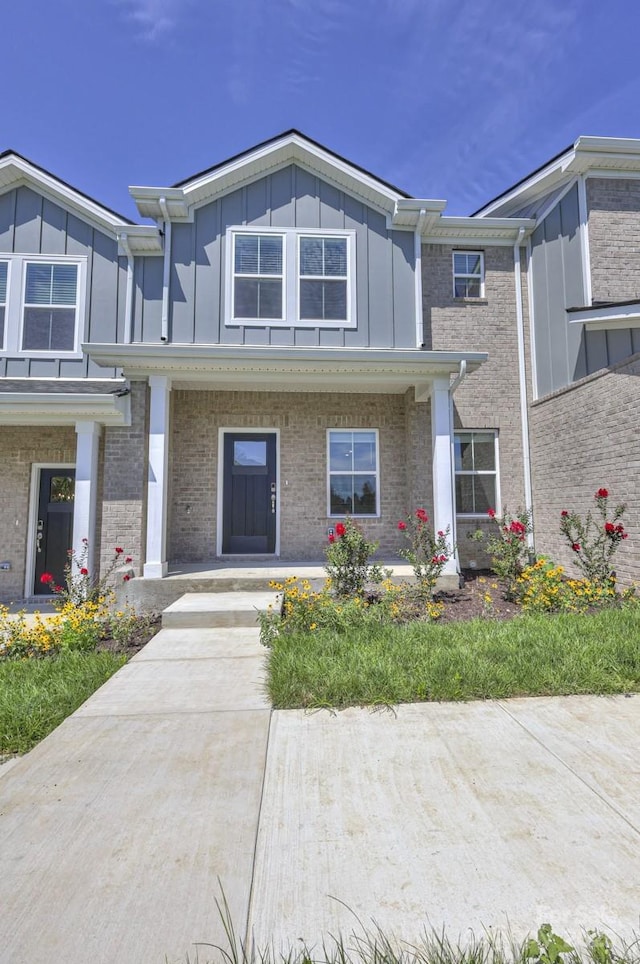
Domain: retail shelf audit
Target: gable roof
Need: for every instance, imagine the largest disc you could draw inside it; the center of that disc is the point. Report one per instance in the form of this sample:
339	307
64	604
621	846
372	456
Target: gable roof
585	155
290	147
17	170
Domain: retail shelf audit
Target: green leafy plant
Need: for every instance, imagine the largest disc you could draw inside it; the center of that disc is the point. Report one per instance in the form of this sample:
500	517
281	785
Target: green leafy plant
427	552
548	948
348	560
507	547
79	585
594	540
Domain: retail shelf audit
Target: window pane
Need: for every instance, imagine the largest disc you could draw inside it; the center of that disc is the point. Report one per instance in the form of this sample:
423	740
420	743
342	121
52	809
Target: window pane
364	451
464	493
335	256
463	447
474	262
311	259
364	495
63	324
460	288
250	452
484	453
1	325
485	492
459	263
323	300
47	329
62	489
246	254
38	288
3	282
63	288
256	298
341	494
340	452
270	255
473	288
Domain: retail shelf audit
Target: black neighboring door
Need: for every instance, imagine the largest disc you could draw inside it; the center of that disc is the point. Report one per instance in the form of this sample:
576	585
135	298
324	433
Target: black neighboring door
54	526
249	493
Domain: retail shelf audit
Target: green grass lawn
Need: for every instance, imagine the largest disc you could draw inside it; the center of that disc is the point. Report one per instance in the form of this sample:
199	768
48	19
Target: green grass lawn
36	695
480	659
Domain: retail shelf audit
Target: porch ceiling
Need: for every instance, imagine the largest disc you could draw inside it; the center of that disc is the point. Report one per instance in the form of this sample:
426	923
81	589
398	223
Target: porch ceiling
247	368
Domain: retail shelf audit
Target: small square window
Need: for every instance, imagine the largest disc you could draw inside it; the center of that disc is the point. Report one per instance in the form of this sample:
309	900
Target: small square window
468	274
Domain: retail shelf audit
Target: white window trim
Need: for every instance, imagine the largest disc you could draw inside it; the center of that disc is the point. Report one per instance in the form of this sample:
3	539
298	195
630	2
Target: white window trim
5	303
494	472
14	310
467	276
291	278
353	515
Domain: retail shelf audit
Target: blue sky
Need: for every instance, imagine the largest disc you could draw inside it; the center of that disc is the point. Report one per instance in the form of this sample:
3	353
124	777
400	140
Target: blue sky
445	98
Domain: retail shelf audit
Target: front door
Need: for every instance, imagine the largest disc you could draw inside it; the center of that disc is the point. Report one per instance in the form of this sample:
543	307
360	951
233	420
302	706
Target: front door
54	526
249	493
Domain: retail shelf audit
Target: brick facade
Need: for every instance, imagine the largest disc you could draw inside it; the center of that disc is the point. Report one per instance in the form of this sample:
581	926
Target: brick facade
614	237
123	496
584	437
488	398
21	447
302	420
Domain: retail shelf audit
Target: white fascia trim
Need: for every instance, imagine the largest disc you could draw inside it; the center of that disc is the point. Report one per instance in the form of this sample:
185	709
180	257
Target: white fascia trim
585	254
60	192
63	408
611	316
552	172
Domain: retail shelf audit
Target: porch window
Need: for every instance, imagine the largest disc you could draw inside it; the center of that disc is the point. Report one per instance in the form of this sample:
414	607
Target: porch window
4	266
468	274
476	471
258	276
353	476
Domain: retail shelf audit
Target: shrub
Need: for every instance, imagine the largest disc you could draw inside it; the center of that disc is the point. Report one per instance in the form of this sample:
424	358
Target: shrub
594	541
427	552
80	586
542	588
348	555
508	547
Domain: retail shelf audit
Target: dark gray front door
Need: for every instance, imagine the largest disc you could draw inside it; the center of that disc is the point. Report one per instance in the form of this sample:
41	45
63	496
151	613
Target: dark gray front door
54	526
249	493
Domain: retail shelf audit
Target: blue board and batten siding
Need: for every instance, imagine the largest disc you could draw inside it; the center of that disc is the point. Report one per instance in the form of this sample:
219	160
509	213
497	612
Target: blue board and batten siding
565	352
32	224
290	197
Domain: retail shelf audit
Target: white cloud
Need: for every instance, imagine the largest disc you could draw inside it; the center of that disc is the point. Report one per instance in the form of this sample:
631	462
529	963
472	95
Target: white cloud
154	18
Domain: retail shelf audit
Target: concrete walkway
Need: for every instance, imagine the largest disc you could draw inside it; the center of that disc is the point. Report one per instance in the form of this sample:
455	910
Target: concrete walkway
115	830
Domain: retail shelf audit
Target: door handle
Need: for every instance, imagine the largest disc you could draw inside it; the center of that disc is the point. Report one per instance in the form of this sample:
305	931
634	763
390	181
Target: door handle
273	498
39	535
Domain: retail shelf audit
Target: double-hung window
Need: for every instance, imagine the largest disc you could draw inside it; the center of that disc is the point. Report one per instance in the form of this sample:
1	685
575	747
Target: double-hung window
353	472
476	471
41	304
468	274
4	272
291	278
258	277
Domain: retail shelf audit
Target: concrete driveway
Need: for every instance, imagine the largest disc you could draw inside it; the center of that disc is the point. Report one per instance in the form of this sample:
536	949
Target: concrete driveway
174	777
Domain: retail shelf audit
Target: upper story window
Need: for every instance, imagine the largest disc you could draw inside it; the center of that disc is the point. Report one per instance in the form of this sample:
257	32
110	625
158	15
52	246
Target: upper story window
4	265
291	278
41	301
476	471
468	274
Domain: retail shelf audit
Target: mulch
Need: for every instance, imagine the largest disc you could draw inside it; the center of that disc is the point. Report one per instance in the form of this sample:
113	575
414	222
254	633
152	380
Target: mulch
140	638
472	600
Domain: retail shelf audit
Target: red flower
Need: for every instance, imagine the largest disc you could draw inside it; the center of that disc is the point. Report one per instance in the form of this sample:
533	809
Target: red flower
602	494
129	559
332	538
609	528
340	529
491	513
441	533
118	551
58	589
46	578
126	577
422	515
576	547
564	513
85	542
518	528
84	572
402	526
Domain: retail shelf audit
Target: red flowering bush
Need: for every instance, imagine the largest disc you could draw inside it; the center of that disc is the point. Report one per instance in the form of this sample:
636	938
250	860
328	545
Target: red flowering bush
80	587
594	540
508	547
348	560
426	552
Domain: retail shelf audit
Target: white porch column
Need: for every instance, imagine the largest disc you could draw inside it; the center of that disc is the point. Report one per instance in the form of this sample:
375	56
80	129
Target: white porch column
86	490
444	513
156	565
